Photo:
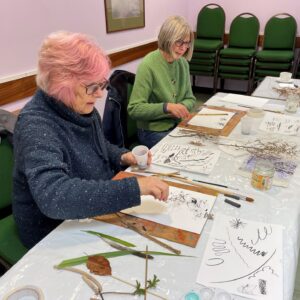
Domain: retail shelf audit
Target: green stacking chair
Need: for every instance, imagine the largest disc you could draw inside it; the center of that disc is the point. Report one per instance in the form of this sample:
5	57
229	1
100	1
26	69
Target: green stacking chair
277	54
208	42
237	60
11	248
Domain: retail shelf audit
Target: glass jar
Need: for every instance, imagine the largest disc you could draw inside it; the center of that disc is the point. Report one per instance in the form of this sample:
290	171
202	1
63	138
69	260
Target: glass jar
262	175
292	103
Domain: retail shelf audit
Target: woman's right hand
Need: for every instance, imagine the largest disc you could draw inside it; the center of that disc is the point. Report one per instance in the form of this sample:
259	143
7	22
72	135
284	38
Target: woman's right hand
153	186
178	110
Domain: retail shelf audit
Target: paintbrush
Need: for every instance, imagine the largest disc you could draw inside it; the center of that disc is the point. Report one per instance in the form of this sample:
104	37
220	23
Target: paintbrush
215	188
269	110
123	248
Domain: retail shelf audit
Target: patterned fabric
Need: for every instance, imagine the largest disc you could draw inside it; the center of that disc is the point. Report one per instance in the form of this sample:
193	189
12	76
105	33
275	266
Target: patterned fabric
63	167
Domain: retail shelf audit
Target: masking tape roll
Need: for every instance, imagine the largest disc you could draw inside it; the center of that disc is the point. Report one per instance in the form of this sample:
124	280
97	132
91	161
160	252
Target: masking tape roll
27	292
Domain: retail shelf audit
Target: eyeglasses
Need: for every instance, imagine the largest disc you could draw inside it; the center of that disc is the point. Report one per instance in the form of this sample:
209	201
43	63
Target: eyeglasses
180	43
94	87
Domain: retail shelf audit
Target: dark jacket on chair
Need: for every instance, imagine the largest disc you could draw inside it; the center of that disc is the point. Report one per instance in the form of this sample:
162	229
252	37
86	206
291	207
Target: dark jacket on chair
115	112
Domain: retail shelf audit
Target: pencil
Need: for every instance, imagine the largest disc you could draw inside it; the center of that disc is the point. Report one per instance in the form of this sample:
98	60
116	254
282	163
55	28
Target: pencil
200	115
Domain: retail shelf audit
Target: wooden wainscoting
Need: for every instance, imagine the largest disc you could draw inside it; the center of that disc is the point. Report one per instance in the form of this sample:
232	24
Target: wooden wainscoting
25	87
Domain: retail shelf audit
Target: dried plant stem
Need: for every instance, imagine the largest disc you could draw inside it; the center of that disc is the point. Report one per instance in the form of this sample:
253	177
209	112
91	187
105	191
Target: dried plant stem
148	236
128	283
93	283
146	273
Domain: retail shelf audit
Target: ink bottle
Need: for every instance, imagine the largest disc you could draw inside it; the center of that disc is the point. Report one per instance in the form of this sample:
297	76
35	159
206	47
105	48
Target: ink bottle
262	175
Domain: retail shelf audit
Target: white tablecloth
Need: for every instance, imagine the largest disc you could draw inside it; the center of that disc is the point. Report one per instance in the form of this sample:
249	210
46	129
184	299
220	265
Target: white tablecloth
177	274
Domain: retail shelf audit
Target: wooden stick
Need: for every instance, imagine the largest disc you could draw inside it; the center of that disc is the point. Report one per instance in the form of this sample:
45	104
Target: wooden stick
146	273
148	236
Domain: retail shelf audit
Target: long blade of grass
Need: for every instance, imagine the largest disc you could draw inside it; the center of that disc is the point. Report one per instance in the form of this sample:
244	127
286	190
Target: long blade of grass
83	259
109	237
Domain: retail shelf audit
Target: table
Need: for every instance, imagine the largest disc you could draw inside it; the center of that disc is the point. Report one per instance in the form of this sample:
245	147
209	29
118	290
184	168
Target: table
177	274
266	88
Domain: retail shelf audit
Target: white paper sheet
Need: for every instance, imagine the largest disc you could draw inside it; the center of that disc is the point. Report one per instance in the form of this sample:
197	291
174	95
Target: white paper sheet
245	100
184	209
281	124
186	157
244	258
215	122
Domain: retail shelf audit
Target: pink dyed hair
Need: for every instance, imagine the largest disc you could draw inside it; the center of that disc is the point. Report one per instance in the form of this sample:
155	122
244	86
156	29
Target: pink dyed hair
67	59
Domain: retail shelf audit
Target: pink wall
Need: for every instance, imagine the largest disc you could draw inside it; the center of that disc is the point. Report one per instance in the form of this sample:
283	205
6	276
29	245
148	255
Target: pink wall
24	24
263	9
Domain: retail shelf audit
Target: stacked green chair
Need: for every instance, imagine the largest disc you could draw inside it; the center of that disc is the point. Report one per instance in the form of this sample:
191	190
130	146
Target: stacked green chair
208	42
277	54
11	248
237	60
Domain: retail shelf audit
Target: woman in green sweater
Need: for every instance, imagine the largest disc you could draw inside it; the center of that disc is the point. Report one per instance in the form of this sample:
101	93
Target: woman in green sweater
162	93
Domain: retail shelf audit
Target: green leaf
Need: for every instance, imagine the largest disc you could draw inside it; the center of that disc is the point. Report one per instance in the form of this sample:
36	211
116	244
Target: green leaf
153	283
112	238
83	259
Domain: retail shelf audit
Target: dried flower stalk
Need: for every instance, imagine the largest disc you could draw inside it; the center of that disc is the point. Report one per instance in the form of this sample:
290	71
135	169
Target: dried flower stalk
258	148
287	91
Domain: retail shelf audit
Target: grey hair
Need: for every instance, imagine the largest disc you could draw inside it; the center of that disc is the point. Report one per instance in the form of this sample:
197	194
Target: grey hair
173	29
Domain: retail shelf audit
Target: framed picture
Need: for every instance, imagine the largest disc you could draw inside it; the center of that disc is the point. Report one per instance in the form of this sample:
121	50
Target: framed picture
124	14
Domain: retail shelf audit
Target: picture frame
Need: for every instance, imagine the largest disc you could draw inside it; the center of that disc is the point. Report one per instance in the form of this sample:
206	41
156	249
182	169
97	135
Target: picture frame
124	14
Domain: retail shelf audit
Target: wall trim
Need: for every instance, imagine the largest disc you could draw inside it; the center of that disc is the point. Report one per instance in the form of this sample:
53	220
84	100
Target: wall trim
24	87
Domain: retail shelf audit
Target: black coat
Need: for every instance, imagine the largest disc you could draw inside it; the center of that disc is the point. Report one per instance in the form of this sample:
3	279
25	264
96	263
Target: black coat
115	117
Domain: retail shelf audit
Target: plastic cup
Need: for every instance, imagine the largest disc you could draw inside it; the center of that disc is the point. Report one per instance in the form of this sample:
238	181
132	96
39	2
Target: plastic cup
246	125
292	103
141	155
285	76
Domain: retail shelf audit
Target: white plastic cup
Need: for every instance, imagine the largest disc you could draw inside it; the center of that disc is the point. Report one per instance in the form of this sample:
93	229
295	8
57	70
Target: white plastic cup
292	103
246	125
285	76
141	155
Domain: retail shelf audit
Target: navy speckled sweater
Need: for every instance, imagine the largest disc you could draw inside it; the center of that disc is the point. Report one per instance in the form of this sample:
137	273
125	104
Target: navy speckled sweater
63	167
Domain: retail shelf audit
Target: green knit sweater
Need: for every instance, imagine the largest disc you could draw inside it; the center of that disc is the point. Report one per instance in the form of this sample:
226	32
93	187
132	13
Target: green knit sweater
158	82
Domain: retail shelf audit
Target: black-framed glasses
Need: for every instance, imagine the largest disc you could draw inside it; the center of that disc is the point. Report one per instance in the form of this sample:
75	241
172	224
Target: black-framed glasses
94	87
180	43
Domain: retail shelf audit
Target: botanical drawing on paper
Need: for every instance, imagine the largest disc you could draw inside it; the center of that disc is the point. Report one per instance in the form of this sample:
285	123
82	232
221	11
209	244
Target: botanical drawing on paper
211	118
185	209
244	258
281	124
186	157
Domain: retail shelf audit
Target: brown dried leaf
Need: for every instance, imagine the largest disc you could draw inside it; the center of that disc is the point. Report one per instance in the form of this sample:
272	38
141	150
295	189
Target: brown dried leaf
98	265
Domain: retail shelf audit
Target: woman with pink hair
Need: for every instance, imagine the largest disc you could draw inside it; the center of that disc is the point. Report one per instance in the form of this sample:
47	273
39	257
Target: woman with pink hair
63	163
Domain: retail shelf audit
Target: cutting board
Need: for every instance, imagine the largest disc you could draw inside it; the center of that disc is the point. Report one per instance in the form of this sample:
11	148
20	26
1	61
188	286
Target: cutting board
212	131
158	230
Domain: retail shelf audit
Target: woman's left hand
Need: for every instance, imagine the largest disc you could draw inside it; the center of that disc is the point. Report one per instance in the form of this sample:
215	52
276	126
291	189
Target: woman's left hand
128	159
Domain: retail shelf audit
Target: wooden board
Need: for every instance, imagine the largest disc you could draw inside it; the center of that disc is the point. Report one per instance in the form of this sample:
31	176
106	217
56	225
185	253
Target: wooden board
224	131
162	231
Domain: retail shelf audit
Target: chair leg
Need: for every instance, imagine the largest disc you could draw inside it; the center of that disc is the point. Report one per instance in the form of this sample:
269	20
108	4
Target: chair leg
222	83
251	76
216	71
6	265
